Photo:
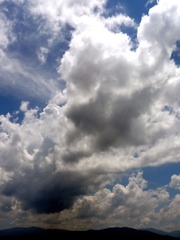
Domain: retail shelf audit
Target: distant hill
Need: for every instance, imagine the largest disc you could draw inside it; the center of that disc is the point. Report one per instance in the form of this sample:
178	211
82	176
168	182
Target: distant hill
175	234
109	233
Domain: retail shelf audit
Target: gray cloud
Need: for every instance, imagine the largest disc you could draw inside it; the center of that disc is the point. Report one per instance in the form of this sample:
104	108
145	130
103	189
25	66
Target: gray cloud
46	192
113	121
74	156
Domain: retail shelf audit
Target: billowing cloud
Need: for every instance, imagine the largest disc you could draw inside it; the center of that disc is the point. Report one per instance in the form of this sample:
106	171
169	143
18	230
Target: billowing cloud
123	204
175	182
119	110
120	206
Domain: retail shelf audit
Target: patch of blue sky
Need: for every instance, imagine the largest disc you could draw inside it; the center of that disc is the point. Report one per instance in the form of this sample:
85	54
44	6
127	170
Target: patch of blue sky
113	8
11	105
132	8
175	56
160	176
59	47
8	104
135	9
31	35
156	177
30	38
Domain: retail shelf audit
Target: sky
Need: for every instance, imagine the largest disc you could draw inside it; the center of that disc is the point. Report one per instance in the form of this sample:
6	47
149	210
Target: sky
89	114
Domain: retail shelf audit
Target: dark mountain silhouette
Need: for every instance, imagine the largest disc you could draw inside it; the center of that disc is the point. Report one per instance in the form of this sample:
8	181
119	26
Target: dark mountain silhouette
175	234
109	233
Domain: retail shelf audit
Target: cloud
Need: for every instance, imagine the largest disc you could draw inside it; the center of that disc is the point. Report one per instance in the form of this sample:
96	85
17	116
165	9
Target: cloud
121	127
21	79
21	72
175	182
123	205
119	206
24	106
55	194
60	160
42	54
57	13
115	22
34	155
6	32
119	202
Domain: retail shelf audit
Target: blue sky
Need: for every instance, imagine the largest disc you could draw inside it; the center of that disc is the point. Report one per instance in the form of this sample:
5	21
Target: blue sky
135	9
89	114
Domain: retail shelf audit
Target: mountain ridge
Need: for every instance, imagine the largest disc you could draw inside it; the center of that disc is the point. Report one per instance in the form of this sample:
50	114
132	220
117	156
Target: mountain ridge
112	233
175	234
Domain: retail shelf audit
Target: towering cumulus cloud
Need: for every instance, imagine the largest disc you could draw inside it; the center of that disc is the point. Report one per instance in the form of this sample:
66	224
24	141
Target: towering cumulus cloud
113	106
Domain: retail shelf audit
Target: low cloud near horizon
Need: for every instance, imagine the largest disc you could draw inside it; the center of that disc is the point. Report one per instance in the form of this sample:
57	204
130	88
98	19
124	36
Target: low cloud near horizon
113	107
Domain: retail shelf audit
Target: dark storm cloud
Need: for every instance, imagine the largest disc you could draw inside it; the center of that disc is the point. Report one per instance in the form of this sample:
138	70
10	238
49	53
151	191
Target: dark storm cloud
46	193
6	205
